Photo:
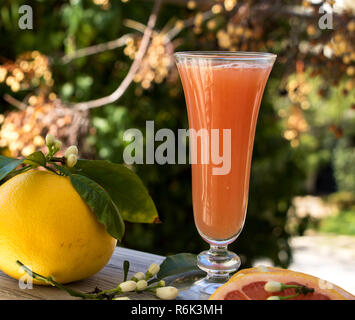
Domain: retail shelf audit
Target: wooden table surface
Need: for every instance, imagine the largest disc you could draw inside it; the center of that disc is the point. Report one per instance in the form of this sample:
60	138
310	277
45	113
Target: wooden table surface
107	278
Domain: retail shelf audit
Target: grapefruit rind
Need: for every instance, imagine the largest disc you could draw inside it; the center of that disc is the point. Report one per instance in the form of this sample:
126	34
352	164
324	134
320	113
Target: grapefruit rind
247	277
256	269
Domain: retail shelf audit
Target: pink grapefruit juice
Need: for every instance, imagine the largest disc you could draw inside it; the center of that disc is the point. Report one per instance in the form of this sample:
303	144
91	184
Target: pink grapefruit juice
220	97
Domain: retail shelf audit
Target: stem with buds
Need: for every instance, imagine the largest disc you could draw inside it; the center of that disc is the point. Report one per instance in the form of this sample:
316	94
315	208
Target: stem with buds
51	281
273	286
123	287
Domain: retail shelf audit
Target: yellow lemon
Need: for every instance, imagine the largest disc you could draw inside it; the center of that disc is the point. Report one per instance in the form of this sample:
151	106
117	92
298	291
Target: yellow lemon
46	225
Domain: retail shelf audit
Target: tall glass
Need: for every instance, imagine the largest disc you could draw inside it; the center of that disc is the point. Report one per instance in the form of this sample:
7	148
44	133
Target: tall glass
223	91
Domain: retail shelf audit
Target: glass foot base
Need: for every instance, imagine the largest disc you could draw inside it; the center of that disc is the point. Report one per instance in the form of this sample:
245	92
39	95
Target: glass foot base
199	290
219	263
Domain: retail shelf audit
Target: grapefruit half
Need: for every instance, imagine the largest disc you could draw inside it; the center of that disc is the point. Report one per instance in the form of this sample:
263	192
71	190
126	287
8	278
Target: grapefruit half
248	284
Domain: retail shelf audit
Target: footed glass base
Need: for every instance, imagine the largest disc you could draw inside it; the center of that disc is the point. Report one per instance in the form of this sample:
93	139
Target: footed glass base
218	262
199	290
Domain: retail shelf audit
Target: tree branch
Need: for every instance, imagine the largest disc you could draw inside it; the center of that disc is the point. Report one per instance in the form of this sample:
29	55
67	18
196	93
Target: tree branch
289	11
98	48
105	46
173	32
135	25
114	96
14	102
199	3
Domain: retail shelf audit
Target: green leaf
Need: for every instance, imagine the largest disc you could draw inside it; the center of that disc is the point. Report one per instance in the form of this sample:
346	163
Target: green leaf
62	169
7	165
100	203
125	269
36	159
178	264
125	188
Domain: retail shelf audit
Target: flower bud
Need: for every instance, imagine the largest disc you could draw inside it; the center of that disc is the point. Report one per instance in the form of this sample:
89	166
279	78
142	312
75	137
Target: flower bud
167	293
71	150
141	285
128	286
273	286
161	283
122	298
72	160
49	139
57	144
138	276
262	269
153	269
273	298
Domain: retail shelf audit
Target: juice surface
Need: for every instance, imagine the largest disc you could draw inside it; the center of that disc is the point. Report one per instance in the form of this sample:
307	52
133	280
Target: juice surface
223	97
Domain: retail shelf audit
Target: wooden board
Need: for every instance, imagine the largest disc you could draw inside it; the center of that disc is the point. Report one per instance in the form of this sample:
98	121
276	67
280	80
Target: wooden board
107	278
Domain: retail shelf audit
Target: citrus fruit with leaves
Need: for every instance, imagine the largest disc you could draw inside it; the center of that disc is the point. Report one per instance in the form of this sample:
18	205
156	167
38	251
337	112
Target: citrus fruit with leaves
45	224
249	284
62	217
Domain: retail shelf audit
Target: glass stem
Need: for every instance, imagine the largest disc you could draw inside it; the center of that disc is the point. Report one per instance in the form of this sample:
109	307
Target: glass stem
218	255
218	262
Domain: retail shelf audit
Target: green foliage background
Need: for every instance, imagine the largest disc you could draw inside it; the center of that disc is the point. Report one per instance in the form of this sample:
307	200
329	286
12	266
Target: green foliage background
279	172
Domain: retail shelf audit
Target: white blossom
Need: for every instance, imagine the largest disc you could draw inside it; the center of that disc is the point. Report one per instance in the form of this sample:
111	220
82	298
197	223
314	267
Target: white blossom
72	160
167	293
153	269
138	276
71	150
57	144
273	286
262	269
128	286
49	139
141	285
